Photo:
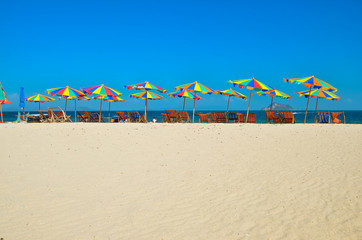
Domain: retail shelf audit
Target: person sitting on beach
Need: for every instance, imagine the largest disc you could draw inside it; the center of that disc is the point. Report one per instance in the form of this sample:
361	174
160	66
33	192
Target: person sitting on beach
154	120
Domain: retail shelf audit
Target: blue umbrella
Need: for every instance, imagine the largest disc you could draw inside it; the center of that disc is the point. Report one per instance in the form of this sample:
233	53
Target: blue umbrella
22	99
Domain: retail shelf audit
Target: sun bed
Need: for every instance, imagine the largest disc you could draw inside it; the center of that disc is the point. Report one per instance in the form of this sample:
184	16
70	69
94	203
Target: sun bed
220	117
252	118
212	117
166	118
271	116
173	115
184	116
136	117
83	116
240	117
122	116
335	119
232	116
203	118
94	117
323	117
58	115
44	116
287	116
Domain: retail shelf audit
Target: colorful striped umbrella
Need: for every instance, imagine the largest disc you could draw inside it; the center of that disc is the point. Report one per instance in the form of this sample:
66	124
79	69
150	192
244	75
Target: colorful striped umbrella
110	99
146	86
65	92
274	93
3	100
102	91
84	98
251	84
40	99
318	93
231	93
145	96
197	88
311	82
184	94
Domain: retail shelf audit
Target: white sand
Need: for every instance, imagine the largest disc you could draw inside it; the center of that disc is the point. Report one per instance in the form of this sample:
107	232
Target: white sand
180	181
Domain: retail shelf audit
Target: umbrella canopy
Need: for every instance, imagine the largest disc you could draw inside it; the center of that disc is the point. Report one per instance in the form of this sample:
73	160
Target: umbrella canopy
311	82
40	98
318	93
65	92
146	86
274	93
251	84
146	95
184	94
102	91
231	93
197	88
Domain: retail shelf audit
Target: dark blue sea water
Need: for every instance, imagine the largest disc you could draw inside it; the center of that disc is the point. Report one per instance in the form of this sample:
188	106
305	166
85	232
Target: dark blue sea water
352	117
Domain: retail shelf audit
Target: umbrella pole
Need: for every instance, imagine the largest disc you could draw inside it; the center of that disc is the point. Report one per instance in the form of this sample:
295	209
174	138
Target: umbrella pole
146	109
315	113
100	111
193	113
75	112
39	106
227	109
247	113
183	109
109	112
306	109
1	112
271	105
66	100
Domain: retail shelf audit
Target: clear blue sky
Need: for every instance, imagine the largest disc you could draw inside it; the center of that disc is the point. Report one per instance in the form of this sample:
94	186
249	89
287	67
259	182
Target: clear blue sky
45	44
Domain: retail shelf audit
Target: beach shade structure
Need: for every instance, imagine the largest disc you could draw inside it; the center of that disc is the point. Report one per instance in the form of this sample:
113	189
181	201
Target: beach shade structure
102	91
318	93
40	99
65	92
3	100
251	84
145	96
195	87
184	94
75	99
110	99
146	86
22	100
274	93
231	93
311	82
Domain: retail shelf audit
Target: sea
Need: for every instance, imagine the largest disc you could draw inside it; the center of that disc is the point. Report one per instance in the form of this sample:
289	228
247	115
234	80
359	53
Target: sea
352	117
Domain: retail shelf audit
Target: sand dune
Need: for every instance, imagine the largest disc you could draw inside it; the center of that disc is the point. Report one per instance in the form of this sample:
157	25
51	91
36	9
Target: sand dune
180	181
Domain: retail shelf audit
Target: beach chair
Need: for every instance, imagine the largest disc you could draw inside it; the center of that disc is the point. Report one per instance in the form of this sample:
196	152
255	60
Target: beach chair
272	117
323	117
220	117
252	118
287	116
212	117
94	117
184	116
240	117
232	116
122	116
173	115
203	118
335	119
166	118
82	116
136	117
44	116
58	115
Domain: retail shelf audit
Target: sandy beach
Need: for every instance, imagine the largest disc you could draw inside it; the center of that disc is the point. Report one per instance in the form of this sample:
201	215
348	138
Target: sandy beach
180	181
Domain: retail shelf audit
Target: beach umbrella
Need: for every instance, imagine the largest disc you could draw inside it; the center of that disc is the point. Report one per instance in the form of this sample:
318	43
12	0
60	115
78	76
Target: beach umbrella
311	82
75	99
231	93
274	93
145	96
65	92
22	100
184	94
110	99
3	100
318	93
196	87
146	86
40	99
251	84
101	91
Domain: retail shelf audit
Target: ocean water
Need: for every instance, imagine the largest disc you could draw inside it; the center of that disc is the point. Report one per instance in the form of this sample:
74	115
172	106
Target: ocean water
352	117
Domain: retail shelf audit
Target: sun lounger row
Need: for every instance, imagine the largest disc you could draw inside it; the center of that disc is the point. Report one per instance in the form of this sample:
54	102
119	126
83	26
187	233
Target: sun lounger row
173	116
54	114
134	116
224	117
329	117
279	116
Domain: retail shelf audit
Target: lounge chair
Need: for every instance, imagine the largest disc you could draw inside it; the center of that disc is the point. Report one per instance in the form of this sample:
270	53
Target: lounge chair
220	117
44	116
240	117
212	117
94	117
323	117
203	118
83	116
58	115
184	116
232	116
173	115
287	116
272	117
136	117
335	119
252	118
122	116
166	118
